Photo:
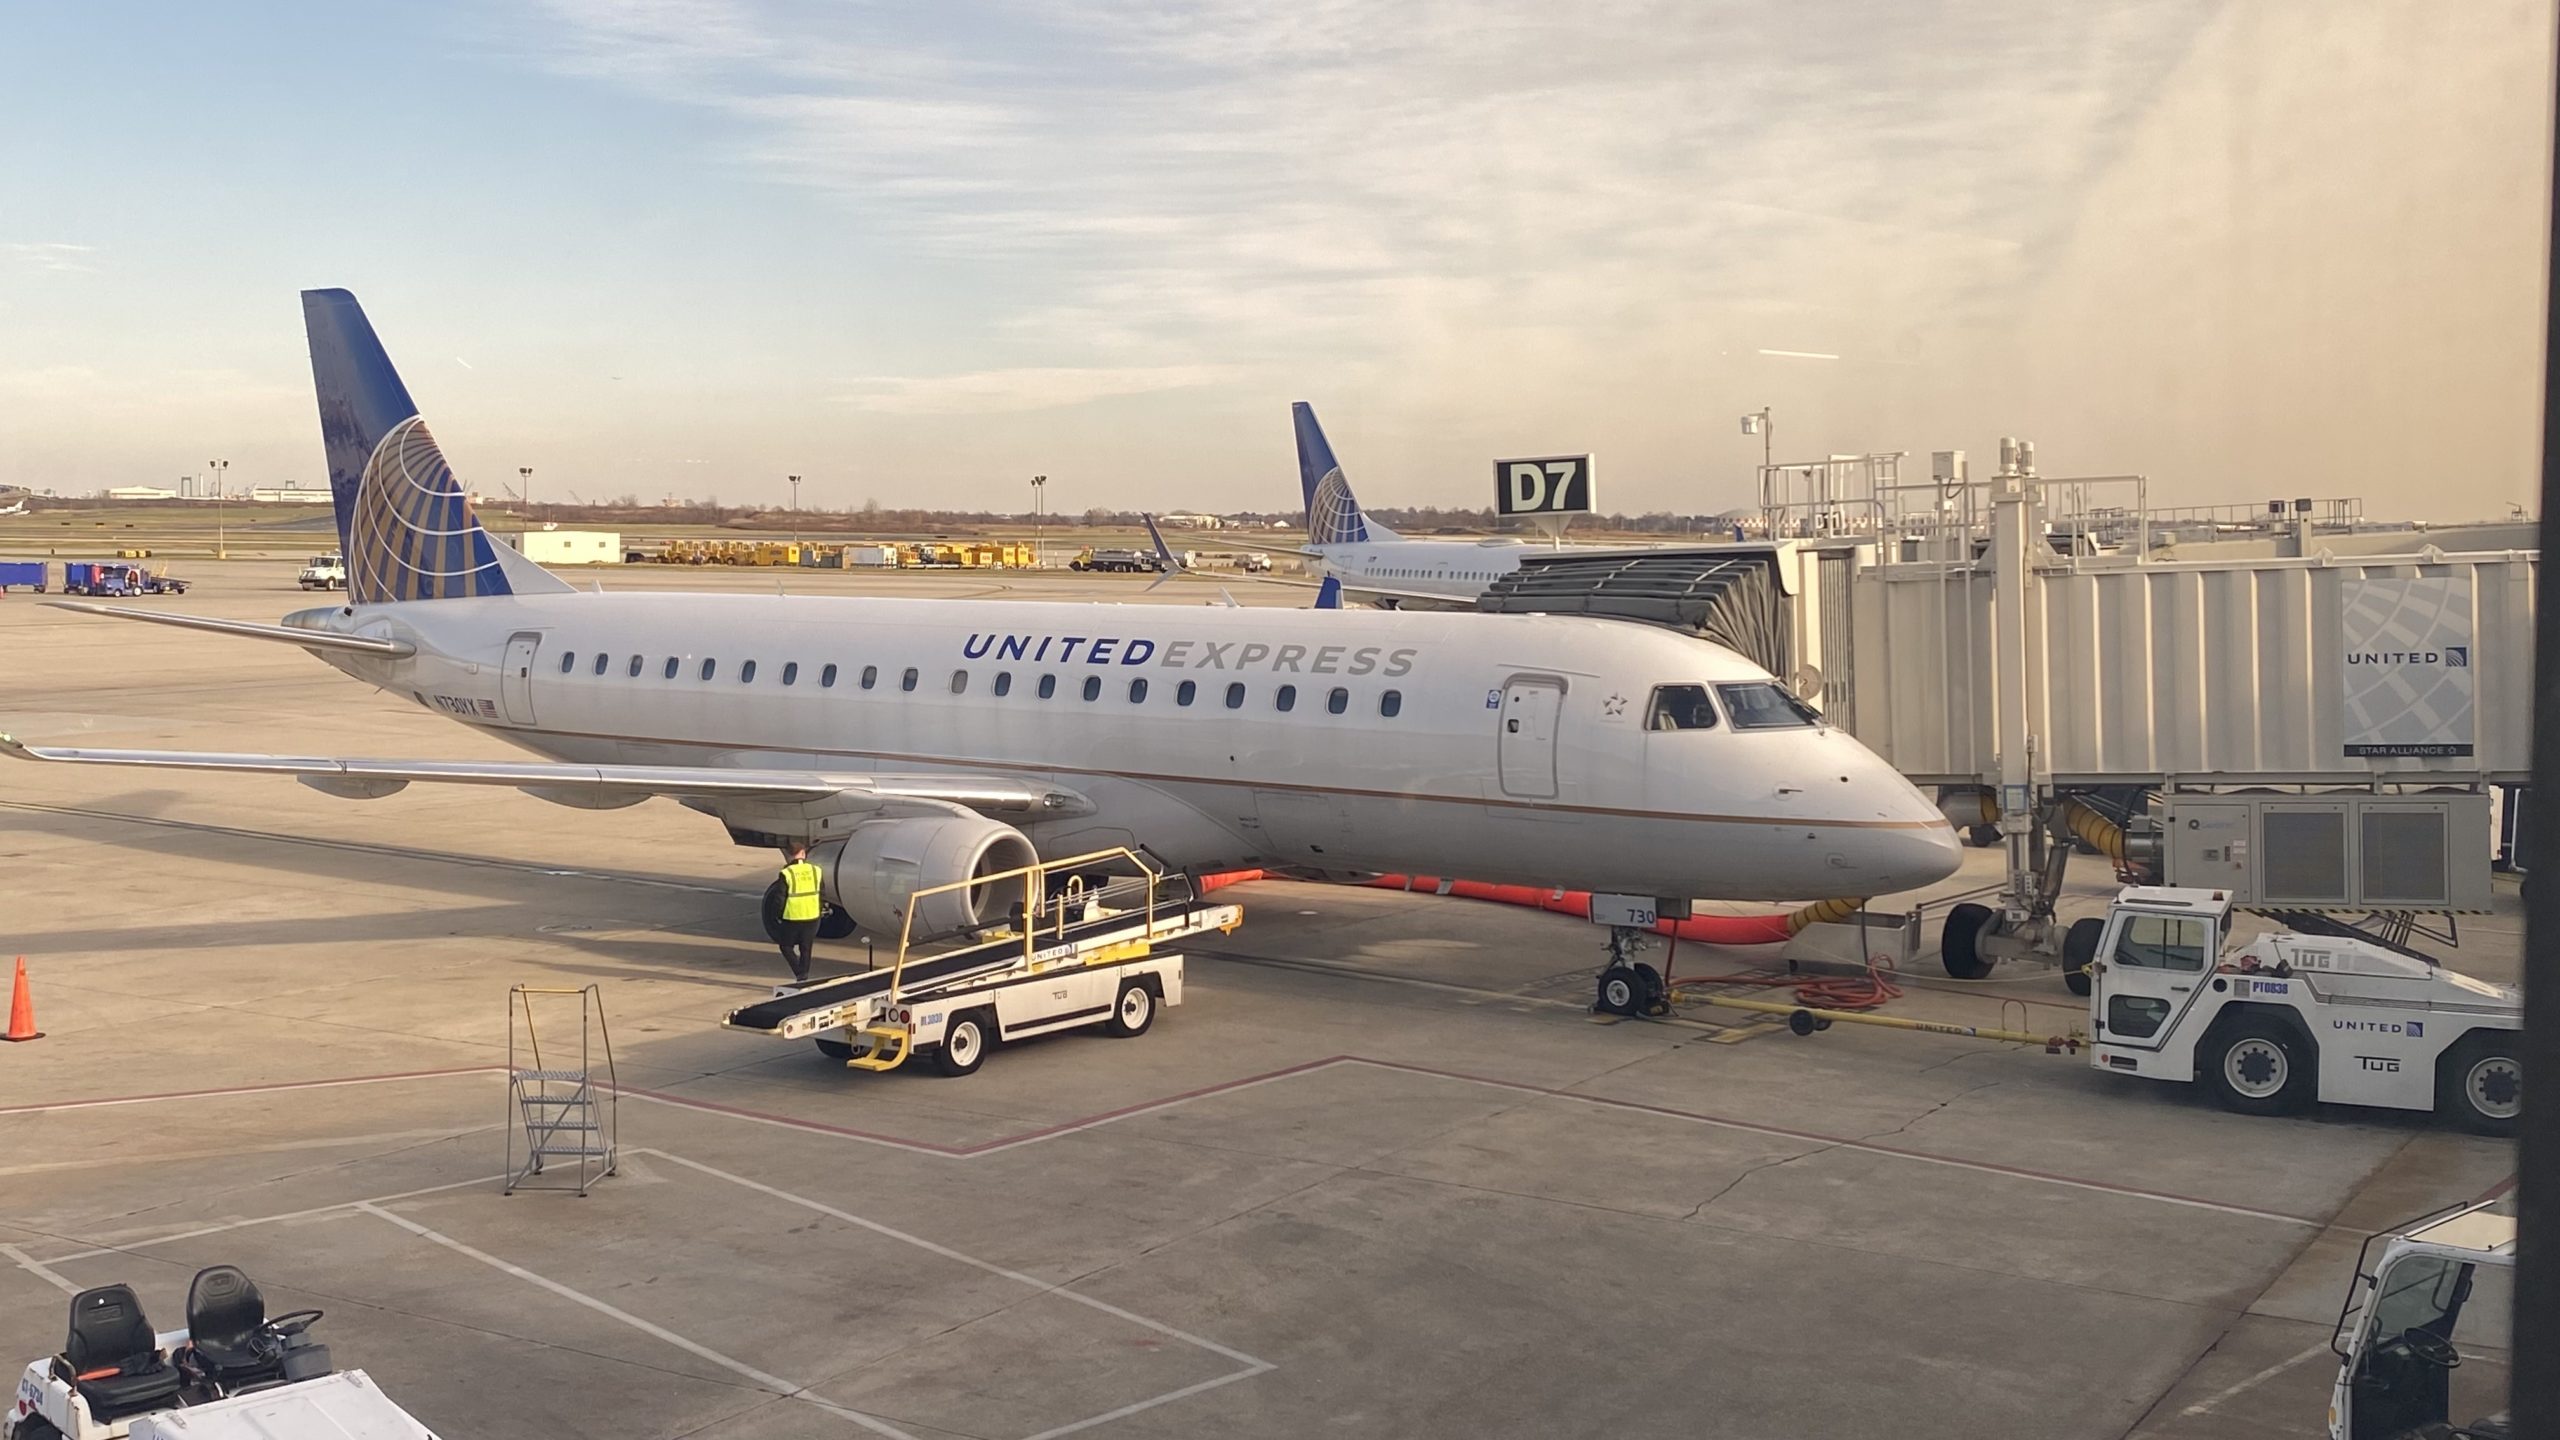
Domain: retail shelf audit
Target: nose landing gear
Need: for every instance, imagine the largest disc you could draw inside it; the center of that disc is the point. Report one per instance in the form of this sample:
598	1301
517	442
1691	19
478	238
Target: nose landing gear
1627	985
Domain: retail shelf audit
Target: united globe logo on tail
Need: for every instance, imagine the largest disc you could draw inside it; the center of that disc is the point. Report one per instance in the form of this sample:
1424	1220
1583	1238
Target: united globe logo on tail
412	534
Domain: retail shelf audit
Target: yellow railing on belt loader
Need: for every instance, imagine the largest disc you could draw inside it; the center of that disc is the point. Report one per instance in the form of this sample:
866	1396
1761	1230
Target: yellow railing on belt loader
890	1041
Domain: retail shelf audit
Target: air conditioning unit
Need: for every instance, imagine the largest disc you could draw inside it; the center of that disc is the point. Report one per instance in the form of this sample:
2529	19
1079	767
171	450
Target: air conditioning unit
2332	851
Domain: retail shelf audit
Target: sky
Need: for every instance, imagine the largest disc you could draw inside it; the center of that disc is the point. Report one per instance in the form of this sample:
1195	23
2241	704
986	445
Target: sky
919	253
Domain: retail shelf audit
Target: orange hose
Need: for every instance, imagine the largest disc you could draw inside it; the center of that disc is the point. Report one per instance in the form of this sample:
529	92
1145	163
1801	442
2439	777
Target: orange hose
1706	929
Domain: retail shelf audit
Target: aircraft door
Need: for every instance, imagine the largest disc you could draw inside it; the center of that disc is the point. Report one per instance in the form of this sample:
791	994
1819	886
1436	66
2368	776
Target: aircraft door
515	678
1530	705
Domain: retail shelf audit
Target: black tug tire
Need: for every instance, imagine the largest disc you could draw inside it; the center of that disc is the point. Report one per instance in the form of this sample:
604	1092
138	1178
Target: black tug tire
2079	947
2256	1066
1982	837
965	1042
1956	942
2480	1082
772	912
834	923
1132	1012
1620	991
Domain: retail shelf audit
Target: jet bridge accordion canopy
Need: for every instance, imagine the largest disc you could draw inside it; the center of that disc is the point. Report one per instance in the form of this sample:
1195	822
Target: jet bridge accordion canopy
1732	598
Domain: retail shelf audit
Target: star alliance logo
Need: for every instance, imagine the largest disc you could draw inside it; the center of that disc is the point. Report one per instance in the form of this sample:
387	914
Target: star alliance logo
1614	706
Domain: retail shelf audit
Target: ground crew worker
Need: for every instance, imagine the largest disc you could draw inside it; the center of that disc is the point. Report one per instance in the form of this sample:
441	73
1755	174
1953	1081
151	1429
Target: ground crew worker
800	907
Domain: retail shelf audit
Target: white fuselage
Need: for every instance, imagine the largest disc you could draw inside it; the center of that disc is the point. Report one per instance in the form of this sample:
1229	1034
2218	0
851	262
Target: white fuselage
1517	750
1458	570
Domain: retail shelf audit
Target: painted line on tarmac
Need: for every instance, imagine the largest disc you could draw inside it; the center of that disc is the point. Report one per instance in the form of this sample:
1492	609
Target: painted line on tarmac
1250	1366
130	1246
278	1087
39	1270
2212	1402
763	1379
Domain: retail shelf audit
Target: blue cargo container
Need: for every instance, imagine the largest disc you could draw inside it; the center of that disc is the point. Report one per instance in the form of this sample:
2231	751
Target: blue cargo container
28	573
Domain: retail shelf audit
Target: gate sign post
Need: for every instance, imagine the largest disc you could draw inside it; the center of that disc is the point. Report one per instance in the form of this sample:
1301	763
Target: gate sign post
1546	485
2407	670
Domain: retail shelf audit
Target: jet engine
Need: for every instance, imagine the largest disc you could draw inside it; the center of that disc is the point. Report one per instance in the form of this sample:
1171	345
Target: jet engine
874	872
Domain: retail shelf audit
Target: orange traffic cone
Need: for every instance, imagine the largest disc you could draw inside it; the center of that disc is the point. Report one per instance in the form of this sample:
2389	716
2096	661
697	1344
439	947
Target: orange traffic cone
22	1008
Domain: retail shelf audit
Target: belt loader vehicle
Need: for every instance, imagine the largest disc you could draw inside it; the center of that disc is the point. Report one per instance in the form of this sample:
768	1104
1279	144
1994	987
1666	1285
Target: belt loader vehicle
1065	960
2288	1019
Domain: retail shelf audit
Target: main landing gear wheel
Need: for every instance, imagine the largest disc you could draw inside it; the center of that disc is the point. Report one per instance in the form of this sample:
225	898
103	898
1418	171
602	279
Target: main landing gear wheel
2257	1067
1132	1013
1631	990
2079	947
1982	837
772	912
964	1044
2480	1083
1957	948
835	923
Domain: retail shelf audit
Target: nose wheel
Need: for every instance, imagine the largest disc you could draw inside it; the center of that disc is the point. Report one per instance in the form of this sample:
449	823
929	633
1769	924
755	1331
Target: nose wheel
1627	985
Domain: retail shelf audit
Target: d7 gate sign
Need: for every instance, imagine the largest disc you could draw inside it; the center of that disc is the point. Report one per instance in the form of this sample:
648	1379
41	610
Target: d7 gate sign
1547	485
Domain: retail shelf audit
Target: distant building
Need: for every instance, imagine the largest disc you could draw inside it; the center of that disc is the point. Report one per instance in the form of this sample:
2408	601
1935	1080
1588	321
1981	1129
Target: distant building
142	492
289	495
1196	522
568	547
199	487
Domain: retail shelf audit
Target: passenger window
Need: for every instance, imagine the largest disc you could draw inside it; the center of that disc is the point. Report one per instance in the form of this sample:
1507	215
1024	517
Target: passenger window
2164	942
1137	690
709	667
1680	707
1004	682
1391	704
1338	701
1186	692
1093	687
908	680
827	678
790	672
1235	695
635	667
602	659
1048	686
870	676
568	661
746	673
1287	699
959	682
671	667
1764	705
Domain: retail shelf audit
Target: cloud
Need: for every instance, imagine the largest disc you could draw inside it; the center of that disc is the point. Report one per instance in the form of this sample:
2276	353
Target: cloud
988	392
52	256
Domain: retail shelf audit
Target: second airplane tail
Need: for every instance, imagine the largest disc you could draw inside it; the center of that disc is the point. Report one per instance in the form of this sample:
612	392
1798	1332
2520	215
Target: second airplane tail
406	527
1333	513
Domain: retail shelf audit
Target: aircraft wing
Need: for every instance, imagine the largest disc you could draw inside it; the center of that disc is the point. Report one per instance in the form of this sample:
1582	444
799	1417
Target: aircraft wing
596	786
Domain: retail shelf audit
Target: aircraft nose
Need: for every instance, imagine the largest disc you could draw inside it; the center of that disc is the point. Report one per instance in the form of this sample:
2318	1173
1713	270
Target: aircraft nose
1918	857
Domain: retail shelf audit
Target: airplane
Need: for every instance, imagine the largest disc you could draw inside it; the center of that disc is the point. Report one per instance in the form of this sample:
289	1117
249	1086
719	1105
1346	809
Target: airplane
1377	565
16	507
915	742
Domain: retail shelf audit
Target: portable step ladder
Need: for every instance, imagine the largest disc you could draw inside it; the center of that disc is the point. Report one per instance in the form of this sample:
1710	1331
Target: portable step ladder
554	1112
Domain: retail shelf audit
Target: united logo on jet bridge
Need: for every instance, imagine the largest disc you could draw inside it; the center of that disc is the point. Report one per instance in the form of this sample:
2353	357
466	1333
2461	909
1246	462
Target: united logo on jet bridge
1193	654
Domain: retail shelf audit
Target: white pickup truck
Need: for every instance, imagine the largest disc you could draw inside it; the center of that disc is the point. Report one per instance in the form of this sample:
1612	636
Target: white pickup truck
325	572
2287	1019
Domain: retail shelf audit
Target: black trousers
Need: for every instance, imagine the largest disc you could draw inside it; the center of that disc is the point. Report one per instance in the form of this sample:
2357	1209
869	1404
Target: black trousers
798	938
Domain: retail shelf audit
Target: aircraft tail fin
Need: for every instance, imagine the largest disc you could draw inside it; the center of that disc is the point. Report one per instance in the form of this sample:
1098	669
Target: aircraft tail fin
404	523
1333	513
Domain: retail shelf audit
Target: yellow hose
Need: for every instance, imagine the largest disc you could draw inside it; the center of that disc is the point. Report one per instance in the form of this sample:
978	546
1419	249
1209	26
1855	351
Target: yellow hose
2094	830
1822	912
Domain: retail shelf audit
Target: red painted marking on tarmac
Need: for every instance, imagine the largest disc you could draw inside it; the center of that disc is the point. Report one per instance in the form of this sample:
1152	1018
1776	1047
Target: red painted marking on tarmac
270	1088
2495	1191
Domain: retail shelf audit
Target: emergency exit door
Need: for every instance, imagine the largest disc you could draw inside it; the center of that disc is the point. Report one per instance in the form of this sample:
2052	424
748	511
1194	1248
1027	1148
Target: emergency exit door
515	679
1530	705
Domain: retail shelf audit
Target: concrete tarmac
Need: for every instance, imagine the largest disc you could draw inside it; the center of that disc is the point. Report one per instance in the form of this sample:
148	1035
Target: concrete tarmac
1382	1174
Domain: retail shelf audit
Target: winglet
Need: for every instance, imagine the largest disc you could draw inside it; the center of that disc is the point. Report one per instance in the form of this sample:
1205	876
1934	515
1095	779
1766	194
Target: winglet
1329	594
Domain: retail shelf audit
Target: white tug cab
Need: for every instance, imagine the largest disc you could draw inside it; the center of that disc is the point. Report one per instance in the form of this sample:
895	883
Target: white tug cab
2289	1019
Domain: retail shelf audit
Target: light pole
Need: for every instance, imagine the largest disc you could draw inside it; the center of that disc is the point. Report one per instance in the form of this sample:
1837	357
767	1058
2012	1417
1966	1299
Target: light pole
795	511
1039	515
221	521
1758	424
524	478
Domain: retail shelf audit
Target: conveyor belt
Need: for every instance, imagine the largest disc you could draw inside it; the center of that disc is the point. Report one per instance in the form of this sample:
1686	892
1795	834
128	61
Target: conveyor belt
933	970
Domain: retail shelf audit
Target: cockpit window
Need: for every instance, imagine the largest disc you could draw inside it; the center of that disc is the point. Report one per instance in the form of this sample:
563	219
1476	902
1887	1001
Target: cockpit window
1680	707
1763	705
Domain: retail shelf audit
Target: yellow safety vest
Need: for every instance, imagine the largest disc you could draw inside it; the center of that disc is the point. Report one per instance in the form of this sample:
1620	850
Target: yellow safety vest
800	891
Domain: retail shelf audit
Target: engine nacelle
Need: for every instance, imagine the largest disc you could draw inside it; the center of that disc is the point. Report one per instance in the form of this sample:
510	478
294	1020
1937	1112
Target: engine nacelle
874	872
